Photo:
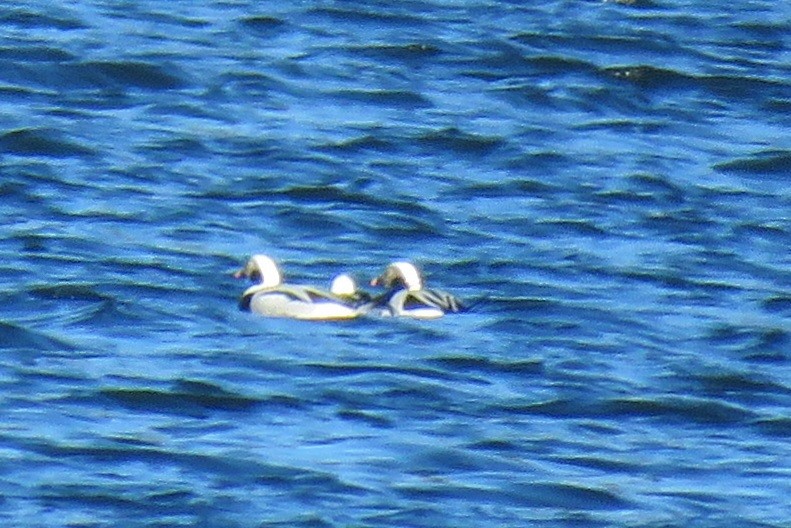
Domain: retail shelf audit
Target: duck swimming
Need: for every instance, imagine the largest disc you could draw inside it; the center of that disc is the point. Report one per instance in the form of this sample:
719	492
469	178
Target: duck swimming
345	287
407	296
273	298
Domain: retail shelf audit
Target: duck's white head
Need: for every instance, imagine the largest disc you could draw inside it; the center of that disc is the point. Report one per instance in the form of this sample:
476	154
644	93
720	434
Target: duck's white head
343	284
400	272
263	269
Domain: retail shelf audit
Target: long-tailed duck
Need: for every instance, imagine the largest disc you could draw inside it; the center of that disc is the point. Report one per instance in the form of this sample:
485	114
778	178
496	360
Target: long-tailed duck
345	287
273	298
408	298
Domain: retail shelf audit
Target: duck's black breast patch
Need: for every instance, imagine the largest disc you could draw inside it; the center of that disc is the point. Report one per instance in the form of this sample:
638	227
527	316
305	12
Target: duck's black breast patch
244	302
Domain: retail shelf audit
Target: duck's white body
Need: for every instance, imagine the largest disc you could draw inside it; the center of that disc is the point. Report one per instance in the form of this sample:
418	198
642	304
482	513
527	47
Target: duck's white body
296	302
272	298
408	297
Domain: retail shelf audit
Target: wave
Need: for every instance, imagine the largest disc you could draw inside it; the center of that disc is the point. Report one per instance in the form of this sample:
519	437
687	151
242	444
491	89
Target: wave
15	337
187	398
129	74
44	142
25	19
384	98
415	54
455	140
262	25
32	54
771	162
675	409
525	495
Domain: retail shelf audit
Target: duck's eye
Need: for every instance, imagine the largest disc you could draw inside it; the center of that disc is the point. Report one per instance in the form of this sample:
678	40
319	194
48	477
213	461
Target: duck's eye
255	276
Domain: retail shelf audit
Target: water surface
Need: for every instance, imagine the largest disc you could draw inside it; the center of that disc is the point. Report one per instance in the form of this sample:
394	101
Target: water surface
607	182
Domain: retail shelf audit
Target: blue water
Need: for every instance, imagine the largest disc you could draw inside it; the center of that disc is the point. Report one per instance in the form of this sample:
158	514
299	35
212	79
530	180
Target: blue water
609	183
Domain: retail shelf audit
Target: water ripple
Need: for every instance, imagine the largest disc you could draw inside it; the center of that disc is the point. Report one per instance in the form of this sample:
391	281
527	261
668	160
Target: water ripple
41	142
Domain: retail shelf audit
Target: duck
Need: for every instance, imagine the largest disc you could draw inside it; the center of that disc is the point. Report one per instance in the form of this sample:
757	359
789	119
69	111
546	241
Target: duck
272	298
345	287
407	297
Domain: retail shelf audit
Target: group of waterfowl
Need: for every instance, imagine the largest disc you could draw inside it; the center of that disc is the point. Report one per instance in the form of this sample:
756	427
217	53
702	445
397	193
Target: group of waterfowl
405	295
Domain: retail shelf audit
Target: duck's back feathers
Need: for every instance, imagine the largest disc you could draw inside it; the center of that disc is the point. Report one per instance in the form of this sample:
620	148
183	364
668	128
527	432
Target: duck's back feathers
441	299
305	294
421	304
297	302
279	304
